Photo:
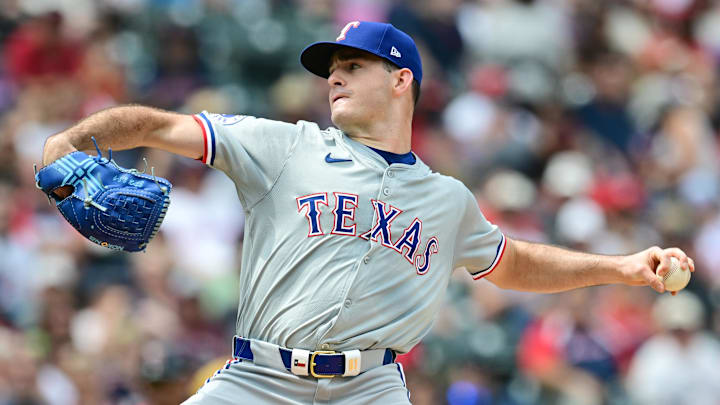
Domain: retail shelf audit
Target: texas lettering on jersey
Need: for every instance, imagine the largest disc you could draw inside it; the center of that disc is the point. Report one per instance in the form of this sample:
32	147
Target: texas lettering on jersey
344	215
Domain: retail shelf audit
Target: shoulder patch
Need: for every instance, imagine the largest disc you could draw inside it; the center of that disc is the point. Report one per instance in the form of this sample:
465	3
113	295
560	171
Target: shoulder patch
227	119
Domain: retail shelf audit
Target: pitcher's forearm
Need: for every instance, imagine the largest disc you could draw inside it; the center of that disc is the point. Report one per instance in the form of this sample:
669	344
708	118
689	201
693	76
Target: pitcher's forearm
544	268
119	128
548	268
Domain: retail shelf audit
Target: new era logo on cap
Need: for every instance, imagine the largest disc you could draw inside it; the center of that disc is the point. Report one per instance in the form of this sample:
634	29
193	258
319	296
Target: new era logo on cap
379	39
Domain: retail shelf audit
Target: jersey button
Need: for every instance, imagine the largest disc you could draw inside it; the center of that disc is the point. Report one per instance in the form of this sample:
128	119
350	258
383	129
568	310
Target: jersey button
324	346
366	260
348	302
391	174
386	191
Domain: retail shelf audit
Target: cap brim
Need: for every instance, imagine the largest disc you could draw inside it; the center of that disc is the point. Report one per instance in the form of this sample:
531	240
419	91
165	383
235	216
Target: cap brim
316	57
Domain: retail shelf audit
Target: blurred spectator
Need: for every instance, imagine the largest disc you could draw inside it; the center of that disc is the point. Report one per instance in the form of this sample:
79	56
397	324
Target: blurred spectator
179	70
563	350
38	50
606	116
209	252
432	24
679	364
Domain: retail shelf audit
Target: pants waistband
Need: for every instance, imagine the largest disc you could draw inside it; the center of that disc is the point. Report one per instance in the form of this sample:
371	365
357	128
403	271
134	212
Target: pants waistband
319	364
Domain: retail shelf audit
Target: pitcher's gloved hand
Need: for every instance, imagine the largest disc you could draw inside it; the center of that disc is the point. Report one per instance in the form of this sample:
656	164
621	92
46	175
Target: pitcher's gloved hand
118	208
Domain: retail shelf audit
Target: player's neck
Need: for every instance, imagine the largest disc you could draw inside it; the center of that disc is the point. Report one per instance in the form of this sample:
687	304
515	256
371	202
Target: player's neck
388	135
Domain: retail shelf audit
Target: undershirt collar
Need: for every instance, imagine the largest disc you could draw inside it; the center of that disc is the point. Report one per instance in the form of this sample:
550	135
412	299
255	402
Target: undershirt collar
390	158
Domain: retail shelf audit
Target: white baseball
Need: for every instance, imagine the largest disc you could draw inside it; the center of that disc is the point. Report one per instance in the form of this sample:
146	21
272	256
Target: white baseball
676	278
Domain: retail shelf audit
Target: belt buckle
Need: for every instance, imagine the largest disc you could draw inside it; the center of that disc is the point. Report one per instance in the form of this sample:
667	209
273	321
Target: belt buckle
312	364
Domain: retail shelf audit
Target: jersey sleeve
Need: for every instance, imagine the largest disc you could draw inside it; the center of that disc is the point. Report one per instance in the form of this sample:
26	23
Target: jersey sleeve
480	245
251	151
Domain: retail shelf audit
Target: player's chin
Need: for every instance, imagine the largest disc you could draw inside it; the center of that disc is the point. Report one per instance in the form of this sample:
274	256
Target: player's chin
341	117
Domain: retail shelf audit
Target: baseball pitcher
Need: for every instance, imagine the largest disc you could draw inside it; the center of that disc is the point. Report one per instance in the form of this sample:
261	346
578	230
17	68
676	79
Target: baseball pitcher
350	238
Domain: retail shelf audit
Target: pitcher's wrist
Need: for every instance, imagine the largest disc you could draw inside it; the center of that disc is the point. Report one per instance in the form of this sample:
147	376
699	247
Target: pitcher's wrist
55	148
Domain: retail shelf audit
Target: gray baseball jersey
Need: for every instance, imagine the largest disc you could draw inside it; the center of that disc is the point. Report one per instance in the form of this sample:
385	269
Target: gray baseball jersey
341	250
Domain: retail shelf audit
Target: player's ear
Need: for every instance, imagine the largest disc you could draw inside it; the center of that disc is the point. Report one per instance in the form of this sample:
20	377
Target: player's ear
402	81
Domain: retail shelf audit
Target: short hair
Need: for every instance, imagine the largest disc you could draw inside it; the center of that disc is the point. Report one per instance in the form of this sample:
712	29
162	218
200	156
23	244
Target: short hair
349	53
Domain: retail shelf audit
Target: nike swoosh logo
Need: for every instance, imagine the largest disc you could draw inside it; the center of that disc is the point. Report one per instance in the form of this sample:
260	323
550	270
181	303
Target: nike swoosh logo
333	160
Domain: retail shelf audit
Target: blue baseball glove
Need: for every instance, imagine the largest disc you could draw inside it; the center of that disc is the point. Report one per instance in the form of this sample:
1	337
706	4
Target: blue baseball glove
118	208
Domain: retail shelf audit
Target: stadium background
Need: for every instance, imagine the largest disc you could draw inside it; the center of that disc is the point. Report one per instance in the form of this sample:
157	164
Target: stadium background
588	124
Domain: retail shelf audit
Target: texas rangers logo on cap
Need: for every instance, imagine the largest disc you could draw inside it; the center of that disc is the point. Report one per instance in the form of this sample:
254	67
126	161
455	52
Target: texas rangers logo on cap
379	39
349	25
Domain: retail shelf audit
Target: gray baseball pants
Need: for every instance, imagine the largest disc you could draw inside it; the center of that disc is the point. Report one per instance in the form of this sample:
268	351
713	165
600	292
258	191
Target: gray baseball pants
244	382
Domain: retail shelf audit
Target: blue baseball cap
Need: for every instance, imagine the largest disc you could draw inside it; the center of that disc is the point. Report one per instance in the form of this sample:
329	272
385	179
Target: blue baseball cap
379	39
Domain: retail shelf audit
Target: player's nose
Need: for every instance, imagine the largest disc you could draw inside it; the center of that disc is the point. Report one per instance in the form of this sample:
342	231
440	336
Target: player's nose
335	79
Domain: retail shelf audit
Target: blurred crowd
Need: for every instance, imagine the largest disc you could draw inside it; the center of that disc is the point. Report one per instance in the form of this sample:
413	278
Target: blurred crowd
588	124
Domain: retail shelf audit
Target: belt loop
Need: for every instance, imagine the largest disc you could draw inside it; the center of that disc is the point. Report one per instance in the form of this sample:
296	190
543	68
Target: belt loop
239	348
299	362
352	363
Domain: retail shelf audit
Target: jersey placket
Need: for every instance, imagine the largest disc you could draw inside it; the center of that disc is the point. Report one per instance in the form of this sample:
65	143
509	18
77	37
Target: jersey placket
364	263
